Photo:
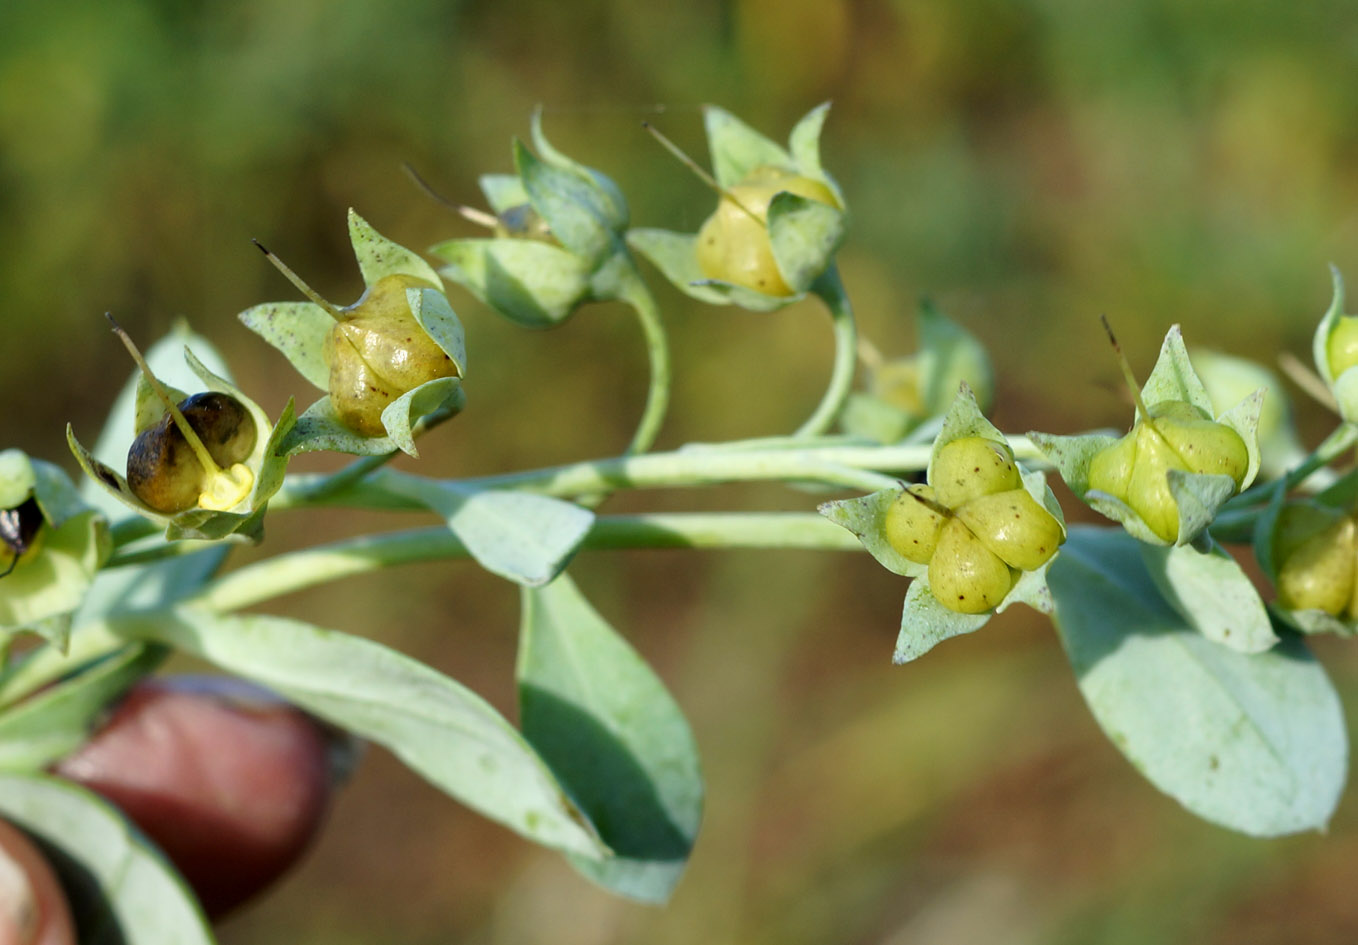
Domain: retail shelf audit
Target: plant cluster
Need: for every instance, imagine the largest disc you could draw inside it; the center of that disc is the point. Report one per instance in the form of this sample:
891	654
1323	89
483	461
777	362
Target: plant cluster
1209	690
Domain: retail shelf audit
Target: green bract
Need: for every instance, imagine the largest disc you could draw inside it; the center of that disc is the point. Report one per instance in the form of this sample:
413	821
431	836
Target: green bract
558	238
266	462
777	227
304	331
1146	474
53	540
903	392
973	551
1335	349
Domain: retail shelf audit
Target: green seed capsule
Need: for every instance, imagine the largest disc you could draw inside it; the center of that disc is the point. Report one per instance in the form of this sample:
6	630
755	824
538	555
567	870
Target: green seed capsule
965	575
971	467
378	353
1316	550
733	244
1204	445
1148	491
1341	349
163	471
913	524
1011	524
1110	470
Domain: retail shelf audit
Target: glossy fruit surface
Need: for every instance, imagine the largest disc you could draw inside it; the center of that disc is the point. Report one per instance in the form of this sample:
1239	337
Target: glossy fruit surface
378	353
965	575
162	469
1342	346
1317	554
733	244
1011	524
229	781
913	524
972	466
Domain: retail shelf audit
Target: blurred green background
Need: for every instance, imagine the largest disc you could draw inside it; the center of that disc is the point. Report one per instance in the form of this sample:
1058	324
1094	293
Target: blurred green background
1030	164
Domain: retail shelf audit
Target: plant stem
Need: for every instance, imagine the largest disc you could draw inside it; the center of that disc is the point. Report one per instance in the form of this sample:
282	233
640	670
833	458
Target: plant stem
88	642
830	288
296	570
635	293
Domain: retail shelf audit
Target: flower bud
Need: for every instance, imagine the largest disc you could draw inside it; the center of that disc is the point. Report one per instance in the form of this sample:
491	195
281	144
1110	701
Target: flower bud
379	352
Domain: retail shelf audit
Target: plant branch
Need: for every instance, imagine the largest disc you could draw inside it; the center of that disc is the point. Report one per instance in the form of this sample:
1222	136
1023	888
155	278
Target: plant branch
830	288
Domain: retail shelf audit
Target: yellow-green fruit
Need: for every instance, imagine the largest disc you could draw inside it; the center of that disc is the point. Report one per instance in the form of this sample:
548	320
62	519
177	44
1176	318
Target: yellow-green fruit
1316	554
380	352
1204	445
162	469
1148	490
970	467
1110	470
913	523
965	575
1012	525
1341	349
897	383
733	244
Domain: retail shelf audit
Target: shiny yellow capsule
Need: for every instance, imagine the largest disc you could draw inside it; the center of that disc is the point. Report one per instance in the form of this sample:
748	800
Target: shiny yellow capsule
913	523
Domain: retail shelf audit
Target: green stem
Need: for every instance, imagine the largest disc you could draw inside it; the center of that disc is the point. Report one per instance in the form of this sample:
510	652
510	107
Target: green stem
89	642
830	288
635	293
297	570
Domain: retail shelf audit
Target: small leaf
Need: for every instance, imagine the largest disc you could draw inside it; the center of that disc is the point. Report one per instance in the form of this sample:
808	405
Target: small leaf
1173	377
432	312
865	516
737	149
871	417
1212	593
610	731
150	408
319	428
521	536
925	623
675	255
378	257
609	198
58	720
948	356
119	885
530	282
440	729
1254	742
804	234
298	330
804	143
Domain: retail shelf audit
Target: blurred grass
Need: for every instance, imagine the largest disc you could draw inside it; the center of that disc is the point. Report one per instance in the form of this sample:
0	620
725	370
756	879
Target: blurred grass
1029	164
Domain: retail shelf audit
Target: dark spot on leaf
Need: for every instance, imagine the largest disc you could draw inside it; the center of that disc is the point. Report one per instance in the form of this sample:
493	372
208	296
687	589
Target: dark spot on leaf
1213	763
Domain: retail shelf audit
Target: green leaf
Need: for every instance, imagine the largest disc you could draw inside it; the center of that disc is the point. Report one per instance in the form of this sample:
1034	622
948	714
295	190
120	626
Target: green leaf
378	257
432	311
1173	377
1212	593
963	419
298	330
1320	341
521	536
607	727
150	408
804	234
121	887
675	255
528	281
1254	742
925	623
871	417
440	729
804	143
948	356
58	720
737	149
606	193
865	516
577	214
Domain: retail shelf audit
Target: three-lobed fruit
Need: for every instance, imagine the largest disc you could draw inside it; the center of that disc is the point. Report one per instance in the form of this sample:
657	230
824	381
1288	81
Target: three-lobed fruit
733	244
1014	527
379	352
1179	436
162	469
227	779
1316	549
